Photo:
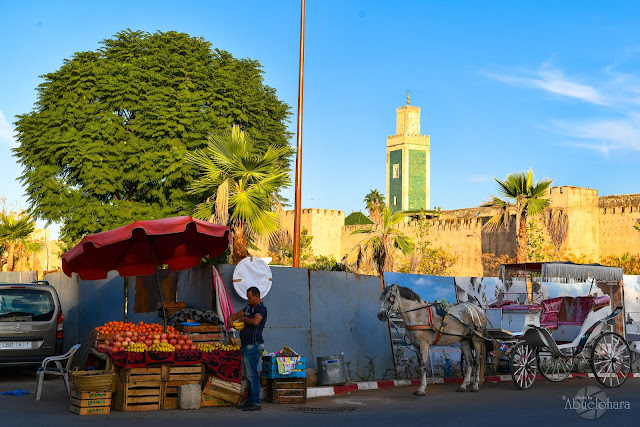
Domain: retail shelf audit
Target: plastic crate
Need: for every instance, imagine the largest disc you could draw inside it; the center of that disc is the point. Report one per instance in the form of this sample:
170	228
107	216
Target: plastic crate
270	368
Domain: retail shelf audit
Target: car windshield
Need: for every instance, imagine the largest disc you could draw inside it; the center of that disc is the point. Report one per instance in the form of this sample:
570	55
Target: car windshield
36	304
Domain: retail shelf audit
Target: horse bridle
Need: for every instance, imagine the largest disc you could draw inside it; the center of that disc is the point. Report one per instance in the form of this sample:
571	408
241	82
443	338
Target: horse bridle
397	311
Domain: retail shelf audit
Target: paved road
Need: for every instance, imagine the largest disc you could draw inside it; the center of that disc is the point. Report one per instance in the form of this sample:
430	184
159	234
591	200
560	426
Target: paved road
496	404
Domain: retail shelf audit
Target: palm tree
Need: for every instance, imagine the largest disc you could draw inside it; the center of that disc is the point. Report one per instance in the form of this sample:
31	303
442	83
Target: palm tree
239	186
524	197
377	250
375	204
14	230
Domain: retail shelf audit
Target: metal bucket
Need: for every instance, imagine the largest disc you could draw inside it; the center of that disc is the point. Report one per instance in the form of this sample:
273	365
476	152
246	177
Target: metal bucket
331	370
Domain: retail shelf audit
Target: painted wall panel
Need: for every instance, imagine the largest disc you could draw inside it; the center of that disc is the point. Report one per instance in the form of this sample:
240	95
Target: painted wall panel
344	310
430	288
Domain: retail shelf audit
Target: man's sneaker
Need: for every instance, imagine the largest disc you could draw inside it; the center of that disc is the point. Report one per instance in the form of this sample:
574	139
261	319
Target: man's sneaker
244	405
252	407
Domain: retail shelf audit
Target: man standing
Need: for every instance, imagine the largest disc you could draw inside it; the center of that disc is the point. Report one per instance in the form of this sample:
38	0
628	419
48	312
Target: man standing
254	315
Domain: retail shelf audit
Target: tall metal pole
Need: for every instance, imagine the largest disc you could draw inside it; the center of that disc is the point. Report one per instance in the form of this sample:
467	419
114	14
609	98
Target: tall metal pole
296	219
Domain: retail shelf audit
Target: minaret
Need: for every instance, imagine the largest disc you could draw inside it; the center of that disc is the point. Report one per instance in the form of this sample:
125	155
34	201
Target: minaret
408	162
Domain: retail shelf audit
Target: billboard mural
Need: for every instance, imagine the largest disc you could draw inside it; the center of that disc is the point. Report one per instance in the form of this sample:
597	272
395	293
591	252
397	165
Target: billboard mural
430	288
485	291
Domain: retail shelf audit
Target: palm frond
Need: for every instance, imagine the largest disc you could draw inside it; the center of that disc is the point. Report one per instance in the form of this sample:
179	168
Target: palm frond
405	244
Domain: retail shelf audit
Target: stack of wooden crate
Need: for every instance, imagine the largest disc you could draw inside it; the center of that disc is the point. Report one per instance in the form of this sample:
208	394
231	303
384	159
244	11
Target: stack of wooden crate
285	388
151	389
90	402
175	376
139	389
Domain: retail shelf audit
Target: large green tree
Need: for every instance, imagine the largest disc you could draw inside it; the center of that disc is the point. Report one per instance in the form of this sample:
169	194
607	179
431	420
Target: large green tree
525	198
106	141
377	251
239	186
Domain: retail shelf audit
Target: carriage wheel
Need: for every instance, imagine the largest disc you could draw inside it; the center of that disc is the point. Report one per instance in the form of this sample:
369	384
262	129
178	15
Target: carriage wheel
611	360
552	367
523	365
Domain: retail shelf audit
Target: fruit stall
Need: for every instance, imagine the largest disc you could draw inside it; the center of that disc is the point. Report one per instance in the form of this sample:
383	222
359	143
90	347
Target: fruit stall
150	364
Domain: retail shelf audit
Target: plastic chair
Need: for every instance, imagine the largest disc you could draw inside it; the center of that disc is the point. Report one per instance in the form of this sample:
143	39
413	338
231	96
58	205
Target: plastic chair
58	370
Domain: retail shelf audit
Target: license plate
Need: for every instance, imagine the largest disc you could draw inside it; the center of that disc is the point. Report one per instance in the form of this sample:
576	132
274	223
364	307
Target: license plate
22	345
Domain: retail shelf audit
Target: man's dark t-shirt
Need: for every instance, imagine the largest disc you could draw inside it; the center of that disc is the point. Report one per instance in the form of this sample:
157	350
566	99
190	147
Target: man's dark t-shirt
253	334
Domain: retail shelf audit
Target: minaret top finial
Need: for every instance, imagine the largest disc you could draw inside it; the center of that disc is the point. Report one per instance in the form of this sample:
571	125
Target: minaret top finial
408	97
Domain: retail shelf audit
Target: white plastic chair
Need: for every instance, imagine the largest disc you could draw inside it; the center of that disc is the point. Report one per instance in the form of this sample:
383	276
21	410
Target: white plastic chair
57	370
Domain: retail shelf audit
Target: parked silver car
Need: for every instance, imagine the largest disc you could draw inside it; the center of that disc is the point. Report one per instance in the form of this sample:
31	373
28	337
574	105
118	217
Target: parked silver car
31	324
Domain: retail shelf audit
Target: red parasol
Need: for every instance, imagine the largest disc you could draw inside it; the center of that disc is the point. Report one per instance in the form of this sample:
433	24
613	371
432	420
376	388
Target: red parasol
138	248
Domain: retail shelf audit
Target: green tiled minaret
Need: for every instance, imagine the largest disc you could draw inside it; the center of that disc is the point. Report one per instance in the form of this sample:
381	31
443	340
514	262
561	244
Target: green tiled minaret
408	163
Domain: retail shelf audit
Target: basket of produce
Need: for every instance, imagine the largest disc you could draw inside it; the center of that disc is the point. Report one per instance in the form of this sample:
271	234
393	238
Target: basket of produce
92	380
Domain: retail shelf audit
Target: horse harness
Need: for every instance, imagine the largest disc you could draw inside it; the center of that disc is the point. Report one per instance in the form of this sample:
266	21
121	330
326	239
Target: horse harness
440	331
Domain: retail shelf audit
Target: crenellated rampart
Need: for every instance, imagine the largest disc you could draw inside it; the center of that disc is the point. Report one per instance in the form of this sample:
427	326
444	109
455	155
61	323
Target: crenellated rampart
596	227
618	215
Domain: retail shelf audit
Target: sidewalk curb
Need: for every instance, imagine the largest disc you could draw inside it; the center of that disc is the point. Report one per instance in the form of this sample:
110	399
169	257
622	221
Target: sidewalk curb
313	392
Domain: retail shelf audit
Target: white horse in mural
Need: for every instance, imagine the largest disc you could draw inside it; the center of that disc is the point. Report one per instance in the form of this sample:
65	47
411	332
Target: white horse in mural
428	324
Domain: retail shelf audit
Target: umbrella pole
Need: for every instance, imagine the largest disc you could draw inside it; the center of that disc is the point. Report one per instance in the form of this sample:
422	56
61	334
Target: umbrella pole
155	270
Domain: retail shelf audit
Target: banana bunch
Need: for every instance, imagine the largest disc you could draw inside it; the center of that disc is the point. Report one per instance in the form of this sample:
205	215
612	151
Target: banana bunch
136	347
162	347
208	348
238	326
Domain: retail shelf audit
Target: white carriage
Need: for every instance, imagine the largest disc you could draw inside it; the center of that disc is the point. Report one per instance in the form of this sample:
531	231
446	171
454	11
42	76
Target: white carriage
551	337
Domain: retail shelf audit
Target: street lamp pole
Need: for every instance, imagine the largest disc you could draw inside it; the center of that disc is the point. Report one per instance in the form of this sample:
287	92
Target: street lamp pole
296	220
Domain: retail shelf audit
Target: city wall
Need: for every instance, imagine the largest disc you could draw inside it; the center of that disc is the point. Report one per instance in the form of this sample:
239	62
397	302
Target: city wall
618	216
596	227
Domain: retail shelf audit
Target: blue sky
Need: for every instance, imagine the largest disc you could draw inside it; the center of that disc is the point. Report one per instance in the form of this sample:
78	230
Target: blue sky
503	86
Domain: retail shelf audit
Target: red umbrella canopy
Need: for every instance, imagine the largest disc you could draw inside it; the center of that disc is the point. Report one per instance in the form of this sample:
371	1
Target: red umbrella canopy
135	249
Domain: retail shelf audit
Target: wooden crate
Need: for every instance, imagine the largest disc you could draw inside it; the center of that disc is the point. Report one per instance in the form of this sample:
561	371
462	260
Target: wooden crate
286	390
90	403
174	377
90	394
96	338
95	410
210	338
225	390
208	401
139	389
203	327
190	373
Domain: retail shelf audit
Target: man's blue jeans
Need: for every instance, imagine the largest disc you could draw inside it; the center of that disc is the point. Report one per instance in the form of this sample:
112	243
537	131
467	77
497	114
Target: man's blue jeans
251	354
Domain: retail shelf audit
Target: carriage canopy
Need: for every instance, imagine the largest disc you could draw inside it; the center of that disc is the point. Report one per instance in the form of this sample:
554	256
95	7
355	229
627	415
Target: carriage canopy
565	269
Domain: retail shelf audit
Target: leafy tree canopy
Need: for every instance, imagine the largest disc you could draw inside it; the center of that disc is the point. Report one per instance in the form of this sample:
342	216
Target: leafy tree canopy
105	143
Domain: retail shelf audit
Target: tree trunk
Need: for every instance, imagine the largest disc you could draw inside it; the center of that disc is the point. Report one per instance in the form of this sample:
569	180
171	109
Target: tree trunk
239	248
521	242
382	255
10	263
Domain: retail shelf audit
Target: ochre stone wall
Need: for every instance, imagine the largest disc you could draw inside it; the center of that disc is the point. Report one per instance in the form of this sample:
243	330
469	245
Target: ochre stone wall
597	227
581	207
618	216
323	224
